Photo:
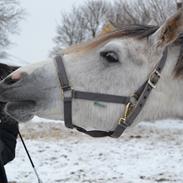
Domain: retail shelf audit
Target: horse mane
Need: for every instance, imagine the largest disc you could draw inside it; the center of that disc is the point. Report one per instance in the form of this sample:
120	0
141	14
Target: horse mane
144	31
137	31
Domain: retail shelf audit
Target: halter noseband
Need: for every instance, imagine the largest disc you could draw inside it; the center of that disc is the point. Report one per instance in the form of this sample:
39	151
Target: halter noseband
134	104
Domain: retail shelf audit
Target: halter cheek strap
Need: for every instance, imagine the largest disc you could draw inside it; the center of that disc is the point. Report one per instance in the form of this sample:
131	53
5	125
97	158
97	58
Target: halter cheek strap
134	104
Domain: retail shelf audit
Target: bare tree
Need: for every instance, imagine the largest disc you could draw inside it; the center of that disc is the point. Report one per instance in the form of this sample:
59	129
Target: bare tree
94	13
141	11
10	14
82	23
126	12
161	10
70	31
87	20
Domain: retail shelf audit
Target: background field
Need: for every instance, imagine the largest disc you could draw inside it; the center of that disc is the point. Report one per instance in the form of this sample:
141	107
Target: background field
148	153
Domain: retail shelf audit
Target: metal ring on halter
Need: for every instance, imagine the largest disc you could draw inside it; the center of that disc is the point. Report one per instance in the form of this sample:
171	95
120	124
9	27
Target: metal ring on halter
153	79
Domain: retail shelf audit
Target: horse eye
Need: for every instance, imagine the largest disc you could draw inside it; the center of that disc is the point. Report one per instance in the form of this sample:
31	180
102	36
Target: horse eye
110	56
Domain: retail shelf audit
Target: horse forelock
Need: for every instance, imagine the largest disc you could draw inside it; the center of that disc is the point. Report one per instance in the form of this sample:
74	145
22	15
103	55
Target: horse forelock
133	31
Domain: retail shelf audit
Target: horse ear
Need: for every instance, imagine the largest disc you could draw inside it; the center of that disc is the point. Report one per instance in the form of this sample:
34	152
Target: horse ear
171	29
107	28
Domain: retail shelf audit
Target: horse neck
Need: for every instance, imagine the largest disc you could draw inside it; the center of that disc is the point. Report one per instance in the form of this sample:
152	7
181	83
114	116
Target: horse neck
166	101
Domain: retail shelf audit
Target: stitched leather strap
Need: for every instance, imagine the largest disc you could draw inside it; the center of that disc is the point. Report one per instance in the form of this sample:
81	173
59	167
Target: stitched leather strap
100	97
64	82
94	133
68	112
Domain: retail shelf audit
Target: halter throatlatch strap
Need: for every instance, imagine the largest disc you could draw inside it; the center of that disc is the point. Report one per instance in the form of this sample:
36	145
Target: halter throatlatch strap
134	104
142	95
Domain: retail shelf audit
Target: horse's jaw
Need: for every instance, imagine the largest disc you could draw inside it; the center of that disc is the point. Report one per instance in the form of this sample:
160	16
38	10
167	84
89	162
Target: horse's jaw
32	91
21	111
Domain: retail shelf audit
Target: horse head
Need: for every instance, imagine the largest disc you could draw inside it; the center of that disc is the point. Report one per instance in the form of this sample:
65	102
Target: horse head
115	63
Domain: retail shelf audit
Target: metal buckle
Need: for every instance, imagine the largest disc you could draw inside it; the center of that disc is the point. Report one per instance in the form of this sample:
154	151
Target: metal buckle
127	111
67	93
66	88
154	75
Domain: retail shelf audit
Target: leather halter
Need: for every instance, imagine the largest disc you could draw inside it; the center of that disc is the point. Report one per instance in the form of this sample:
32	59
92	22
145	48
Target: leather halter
134	104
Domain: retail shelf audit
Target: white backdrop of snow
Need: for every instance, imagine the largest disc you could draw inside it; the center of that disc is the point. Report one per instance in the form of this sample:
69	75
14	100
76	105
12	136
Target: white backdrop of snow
148	153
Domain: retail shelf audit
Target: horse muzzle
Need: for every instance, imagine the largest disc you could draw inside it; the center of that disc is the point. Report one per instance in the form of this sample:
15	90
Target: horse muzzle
10	93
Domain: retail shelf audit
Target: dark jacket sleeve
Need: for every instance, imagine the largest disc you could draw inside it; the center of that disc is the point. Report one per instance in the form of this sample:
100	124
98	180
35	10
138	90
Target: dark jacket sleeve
8	126
8	136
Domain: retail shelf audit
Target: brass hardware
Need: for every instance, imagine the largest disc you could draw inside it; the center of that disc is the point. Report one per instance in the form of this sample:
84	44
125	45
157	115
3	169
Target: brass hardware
127	111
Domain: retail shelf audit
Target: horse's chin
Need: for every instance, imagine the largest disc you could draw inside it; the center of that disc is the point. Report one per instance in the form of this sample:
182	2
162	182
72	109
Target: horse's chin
21	111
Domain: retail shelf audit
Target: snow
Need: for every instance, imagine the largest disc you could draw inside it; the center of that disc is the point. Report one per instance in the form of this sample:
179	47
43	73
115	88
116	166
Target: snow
147	153
42	120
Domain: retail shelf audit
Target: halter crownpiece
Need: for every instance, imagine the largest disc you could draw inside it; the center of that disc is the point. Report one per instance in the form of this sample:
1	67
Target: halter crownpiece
134	104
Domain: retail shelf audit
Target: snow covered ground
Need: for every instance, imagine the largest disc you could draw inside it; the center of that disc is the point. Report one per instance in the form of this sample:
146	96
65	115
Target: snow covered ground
148	153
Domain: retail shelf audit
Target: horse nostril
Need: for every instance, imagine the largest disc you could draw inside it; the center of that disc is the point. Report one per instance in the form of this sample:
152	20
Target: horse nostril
10	81
15	77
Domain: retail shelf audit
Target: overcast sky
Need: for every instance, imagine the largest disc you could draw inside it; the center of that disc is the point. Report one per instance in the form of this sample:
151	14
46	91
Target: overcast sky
39	28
